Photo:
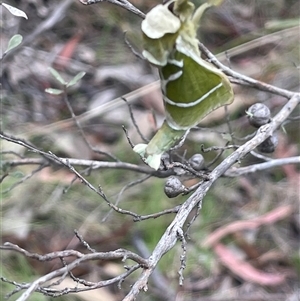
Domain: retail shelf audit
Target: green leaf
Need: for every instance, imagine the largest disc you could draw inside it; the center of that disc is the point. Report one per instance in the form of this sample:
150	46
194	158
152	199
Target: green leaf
192	88
15	41
54	91
76	78
15	11
57	76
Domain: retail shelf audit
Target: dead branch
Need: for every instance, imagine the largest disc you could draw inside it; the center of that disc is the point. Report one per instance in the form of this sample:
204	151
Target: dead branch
235	172
169	238
122	3
242	79
64	271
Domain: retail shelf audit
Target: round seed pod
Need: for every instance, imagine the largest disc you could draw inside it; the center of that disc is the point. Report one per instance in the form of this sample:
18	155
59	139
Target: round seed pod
258	114
173	187
197	162
269	145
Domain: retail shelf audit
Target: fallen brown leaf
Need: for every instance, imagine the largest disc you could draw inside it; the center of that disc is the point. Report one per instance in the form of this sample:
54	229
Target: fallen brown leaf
245	270
268	218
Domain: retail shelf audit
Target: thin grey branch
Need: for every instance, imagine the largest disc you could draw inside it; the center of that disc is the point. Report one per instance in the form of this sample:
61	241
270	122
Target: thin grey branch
93	164
36	285
157	214
120	194
235	172
245	79
80	238
47	257
78	125
159	281
122	3
134	121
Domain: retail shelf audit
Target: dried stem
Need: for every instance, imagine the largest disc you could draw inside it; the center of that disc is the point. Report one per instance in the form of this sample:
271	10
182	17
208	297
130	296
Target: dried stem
122	3
169	238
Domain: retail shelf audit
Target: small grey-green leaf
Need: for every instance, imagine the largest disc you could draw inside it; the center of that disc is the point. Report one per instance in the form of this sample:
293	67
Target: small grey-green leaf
54	91
15	41
15	11
57	76
76	78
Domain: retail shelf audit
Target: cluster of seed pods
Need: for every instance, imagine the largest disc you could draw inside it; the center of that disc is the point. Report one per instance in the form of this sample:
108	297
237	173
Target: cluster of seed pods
258	115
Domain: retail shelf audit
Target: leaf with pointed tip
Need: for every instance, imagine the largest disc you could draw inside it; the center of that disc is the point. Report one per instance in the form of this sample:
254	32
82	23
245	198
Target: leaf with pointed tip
15	41
76	78
15	11
57	76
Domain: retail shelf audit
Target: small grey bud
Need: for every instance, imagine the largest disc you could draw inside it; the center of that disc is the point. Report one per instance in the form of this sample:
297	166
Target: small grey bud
269	145
197	162
173	187
259	114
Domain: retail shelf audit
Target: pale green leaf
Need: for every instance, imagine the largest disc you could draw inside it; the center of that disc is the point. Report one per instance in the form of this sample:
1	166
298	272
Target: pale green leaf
168	23
54	91
154	161
15	41
76	78
140	149
15	11
57	76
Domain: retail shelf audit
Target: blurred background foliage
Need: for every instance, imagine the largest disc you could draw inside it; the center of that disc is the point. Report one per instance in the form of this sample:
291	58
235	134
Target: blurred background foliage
40	213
